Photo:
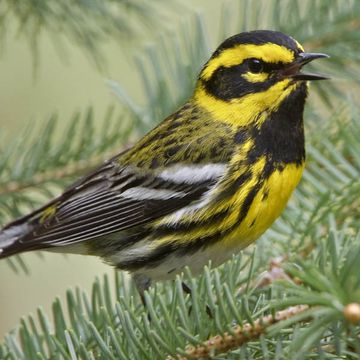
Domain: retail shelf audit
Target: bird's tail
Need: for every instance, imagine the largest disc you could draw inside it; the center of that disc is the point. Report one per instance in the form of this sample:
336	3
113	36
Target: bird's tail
10	239
14	235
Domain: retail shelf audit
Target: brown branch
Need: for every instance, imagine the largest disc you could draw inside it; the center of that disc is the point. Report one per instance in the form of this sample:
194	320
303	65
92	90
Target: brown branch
226	342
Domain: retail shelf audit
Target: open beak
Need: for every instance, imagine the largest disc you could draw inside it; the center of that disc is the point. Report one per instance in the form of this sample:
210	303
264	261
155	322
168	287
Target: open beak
294	70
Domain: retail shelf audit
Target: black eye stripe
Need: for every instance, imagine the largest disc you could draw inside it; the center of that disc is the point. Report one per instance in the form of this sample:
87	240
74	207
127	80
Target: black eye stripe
268	67
274	66
226	83
243	67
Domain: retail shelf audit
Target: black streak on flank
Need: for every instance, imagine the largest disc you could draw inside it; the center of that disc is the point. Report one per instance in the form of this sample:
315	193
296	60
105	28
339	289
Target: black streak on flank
265	195
165	230
151	260
184	250
234	186
248	201
252	223
163	251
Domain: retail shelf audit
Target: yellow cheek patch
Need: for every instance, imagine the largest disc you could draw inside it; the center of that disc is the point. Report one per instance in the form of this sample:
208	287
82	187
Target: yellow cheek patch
255	78
250	108
271	53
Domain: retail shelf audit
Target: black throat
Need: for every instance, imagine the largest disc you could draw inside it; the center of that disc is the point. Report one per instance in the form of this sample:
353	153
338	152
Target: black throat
281	137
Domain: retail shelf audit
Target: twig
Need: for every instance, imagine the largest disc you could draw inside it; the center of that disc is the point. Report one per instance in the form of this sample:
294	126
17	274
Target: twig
275	272
66	171
240	335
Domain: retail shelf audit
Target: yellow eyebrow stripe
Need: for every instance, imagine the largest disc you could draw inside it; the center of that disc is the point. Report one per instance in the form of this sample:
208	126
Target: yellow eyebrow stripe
235	56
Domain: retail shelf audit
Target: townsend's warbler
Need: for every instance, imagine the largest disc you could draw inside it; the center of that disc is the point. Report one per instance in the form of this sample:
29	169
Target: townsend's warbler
205	183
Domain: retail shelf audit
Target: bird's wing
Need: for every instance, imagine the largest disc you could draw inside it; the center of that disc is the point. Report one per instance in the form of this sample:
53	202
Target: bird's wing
115	198
124	193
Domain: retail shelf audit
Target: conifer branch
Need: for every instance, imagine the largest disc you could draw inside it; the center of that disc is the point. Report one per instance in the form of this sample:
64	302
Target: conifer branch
60	173
322	218
239	335
88	24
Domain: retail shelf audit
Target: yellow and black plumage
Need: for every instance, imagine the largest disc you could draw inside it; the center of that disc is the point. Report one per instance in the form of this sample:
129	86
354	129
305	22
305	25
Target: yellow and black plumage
205	183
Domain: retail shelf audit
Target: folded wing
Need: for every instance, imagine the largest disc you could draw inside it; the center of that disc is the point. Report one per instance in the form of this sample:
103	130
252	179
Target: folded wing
111	200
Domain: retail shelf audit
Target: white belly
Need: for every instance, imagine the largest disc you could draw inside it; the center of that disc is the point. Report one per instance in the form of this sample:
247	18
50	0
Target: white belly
173	265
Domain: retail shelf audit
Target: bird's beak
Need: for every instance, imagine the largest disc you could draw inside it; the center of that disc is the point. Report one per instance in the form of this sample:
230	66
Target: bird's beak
293	71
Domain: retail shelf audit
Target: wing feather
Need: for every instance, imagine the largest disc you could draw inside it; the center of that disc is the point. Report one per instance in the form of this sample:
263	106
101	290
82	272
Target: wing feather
111	201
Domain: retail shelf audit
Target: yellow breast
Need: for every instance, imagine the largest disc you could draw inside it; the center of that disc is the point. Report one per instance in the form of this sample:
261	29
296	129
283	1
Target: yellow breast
267	205
235	231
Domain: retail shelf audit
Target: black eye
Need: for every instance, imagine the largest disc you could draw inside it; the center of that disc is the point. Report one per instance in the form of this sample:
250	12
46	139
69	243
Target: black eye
255	66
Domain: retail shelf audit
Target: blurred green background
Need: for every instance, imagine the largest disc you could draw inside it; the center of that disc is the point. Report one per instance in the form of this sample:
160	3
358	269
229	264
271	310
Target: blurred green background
30	95
63	80
152	50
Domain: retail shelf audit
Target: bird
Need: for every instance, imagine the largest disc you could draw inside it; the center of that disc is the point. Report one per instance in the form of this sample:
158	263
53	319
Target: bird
202	185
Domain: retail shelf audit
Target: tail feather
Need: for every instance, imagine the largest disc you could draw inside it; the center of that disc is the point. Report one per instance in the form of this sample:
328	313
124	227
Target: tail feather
9	238
13	234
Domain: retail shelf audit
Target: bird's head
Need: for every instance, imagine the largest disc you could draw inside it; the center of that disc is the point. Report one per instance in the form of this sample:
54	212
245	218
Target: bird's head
252	73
